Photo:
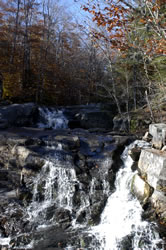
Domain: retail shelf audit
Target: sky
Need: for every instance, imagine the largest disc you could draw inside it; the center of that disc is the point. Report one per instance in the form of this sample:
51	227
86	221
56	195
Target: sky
74	7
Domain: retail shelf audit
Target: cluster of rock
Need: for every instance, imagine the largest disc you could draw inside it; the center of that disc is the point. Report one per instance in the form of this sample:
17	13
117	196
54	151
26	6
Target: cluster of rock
149	184
23	152
81	116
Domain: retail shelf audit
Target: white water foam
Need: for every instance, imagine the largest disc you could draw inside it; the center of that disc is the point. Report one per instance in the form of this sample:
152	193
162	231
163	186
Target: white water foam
4	241
56	183
54	119
122	217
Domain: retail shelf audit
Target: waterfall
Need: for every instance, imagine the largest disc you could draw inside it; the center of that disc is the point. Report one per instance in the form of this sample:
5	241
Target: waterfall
121	225
62	200
121	221
51	118
54	186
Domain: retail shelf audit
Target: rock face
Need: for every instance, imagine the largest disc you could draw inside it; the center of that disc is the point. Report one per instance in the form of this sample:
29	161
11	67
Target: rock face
18	115
121	124
158	131
149	185
89	160
152	166
141	188
82	116
90	116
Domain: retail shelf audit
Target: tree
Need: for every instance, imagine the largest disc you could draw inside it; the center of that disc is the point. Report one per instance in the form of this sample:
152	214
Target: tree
131	32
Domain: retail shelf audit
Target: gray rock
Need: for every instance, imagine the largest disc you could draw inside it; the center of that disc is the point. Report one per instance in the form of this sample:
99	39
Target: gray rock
152	165
158	131
121	124
90	116
135	153
96	159
141	189
18	115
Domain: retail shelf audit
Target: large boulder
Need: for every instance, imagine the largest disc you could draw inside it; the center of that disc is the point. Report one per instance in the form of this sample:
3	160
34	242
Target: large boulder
158	131
96	119
141	189
152	167
121	124
17	115
90	116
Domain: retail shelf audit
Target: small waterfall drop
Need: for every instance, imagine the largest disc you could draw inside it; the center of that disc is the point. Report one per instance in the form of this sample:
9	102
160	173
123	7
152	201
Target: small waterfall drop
51	118
121	225
54	187
61	199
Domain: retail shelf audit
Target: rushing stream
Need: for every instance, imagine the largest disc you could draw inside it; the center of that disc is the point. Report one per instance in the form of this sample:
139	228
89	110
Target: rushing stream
61	199
121	225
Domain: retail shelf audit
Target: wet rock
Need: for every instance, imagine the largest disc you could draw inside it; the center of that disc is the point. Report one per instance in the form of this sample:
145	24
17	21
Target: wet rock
18	115
158	200
121	124
134	166
90	116
27	157
94	157
126	243
135	153
97	211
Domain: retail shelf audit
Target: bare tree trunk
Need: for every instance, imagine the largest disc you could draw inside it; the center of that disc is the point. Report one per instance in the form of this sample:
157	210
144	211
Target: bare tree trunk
15	32
134	88
26	57
149	106
114	91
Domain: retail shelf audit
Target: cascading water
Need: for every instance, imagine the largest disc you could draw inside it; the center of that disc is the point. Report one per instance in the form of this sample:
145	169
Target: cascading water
64	199
121	225
51	118
53	186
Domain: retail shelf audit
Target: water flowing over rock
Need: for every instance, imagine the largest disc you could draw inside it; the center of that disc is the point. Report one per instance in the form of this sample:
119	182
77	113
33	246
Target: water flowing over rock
121	225
62	178
52	118
70	189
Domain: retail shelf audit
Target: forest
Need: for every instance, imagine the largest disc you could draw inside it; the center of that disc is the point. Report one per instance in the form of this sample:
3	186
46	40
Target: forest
118	55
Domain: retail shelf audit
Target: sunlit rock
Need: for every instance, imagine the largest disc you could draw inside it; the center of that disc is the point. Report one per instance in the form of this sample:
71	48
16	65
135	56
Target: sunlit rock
158	131
141	189
152	165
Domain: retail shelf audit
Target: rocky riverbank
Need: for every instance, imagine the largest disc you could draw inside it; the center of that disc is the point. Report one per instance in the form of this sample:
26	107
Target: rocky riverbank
149	184
79	163
23	153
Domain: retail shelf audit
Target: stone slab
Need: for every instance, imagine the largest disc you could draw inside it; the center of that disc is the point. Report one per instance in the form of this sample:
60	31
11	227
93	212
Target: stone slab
152	165
140	188
158	131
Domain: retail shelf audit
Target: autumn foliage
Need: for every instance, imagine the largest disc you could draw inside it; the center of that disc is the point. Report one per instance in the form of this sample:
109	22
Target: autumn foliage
42	56
47	57
132	35
119	17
